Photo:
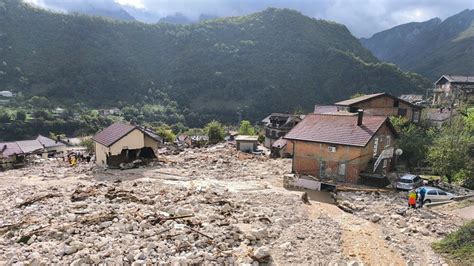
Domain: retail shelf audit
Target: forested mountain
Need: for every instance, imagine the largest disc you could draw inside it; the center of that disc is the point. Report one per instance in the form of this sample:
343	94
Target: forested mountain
430	48
275	60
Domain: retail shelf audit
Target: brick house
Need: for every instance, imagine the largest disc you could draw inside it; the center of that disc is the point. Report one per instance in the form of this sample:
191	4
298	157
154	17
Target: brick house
342	146
382	104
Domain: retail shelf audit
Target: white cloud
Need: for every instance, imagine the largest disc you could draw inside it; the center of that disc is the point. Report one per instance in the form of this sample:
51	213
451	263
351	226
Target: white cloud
362	17
132	3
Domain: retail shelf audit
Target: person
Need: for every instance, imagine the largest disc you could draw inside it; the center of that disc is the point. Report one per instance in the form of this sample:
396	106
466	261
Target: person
422	196
412	199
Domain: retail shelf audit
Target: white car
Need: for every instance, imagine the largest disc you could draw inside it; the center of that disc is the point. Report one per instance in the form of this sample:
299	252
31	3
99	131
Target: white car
433	194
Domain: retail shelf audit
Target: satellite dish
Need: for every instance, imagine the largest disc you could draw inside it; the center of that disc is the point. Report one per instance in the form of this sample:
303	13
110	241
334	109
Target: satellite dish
398	152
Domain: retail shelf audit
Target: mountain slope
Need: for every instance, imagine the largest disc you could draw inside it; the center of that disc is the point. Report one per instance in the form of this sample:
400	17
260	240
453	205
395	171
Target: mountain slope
431	48
275	60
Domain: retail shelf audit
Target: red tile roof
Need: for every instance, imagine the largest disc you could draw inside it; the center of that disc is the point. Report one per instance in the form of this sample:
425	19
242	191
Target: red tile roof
338	129
113	133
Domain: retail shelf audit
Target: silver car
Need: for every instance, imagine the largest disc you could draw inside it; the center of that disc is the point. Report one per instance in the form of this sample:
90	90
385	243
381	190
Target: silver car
433	194
408	182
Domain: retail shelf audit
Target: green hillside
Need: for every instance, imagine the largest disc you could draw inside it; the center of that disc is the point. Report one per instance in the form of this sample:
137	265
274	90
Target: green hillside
431	48
275	60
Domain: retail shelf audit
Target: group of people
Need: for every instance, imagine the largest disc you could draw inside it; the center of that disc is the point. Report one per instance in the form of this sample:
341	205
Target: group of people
414	197
74	158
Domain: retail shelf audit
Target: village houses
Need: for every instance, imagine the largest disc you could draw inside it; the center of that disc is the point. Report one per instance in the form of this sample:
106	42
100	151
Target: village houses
453	90
341	146
124	143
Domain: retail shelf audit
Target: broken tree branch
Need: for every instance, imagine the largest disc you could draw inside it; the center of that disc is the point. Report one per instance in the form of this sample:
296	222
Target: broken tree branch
36	199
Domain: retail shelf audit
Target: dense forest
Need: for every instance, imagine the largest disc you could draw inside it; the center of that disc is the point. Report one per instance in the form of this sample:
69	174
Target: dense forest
275	60
431	48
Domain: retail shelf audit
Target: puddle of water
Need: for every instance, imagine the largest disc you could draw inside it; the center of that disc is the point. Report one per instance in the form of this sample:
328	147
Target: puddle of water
320	196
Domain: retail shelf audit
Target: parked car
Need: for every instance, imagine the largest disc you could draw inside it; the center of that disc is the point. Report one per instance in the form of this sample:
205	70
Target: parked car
409	182
434	194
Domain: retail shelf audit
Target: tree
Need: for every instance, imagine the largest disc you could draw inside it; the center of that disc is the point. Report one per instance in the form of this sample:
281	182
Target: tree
246	128
215	132
4	116
449	154
166	133
414	140
20	115
88	143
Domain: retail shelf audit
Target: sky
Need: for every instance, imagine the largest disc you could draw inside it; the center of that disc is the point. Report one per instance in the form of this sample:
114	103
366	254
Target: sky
362	17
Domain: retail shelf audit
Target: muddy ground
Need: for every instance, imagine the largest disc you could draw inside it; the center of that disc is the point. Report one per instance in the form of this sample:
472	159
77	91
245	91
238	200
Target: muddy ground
205	206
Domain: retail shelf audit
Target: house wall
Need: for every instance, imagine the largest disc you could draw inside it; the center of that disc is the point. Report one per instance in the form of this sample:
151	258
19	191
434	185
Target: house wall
246	146
7	162
133	140
308	157
149	142
385	106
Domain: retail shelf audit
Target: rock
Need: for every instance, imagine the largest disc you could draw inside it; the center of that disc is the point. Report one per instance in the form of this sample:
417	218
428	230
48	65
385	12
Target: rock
286	246
68	250
226	208
262	253
402	223
401	211
376	218
259	233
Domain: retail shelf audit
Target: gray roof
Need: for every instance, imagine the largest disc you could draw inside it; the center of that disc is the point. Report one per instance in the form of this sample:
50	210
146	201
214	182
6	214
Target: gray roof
30	146
458	79
246	138
49	143
9	148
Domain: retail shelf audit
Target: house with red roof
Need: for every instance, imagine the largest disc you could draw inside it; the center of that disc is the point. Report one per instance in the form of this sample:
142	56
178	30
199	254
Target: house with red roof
124	143
342	146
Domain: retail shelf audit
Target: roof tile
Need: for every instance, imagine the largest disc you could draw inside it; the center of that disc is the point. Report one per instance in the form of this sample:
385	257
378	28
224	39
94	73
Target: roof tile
337	129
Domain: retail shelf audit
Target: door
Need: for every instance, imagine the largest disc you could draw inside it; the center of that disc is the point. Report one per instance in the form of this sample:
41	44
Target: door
322	169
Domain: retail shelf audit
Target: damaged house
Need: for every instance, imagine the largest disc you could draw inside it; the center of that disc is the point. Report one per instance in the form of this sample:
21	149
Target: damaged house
11	155
342	146
277	125
124	143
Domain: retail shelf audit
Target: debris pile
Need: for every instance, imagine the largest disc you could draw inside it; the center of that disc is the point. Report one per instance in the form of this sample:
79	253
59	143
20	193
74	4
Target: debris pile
400	224
140	222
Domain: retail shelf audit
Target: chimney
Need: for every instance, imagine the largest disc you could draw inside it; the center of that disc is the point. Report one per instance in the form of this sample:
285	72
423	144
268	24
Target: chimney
360	116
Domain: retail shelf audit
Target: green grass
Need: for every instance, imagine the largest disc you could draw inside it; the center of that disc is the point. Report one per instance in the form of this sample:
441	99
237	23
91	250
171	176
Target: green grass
458	246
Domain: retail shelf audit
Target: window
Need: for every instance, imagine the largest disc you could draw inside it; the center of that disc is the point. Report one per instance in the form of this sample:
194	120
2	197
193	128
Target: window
396	103
440	192
376	146
387	140
416	179
274	134
402	112
432	192
332	149
416	116
385	163
322	169
342	169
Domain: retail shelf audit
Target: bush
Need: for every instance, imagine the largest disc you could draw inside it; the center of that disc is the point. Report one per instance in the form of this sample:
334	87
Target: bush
166	133
215	132
459	245
246	128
